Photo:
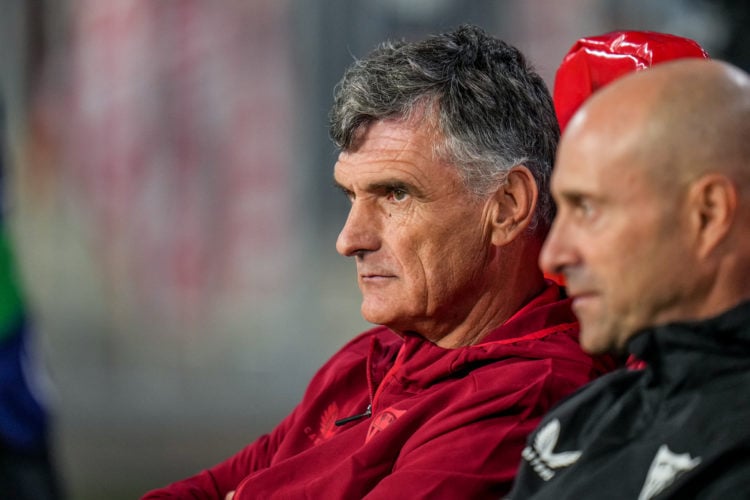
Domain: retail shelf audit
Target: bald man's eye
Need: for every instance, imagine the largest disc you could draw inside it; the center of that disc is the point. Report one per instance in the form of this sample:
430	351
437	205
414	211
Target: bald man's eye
585	209
578	206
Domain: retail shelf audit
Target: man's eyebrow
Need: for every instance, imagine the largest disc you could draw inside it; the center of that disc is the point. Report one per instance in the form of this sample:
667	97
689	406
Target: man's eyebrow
388	185
569	194
383	186
575	196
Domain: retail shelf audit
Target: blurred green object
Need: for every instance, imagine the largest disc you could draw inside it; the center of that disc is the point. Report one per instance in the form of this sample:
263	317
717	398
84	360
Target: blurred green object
11	305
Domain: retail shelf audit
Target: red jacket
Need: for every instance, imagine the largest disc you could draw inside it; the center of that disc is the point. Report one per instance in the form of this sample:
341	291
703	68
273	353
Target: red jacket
444	423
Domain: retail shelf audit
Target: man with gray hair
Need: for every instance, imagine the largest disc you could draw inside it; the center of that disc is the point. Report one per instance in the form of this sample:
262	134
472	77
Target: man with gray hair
446	151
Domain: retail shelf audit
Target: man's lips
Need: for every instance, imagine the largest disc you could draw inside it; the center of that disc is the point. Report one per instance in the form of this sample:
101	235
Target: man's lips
580	297
572	293
375	276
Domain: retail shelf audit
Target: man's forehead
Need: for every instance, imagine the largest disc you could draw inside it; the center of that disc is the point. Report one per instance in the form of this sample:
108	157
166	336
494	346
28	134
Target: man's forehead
372	176
614	175
605	138
391	136
577	159
571	178
392	148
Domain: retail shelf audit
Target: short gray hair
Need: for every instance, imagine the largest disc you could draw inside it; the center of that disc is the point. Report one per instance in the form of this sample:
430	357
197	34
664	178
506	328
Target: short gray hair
492	110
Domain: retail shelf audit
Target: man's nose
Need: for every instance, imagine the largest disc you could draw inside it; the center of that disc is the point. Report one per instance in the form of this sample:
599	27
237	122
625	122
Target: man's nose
360	231
557	252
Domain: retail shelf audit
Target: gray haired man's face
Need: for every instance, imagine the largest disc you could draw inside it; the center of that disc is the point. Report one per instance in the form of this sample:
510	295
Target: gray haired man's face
420	240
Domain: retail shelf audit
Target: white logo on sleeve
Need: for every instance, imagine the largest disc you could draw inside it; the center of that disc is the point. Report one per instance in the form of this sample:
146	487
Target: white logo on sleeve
541	456
664	470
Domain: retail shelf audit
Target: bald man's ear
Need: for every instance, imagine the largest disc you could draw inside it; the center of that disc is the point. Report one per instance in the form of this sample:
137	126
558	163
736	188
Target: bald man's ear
513	205
713	202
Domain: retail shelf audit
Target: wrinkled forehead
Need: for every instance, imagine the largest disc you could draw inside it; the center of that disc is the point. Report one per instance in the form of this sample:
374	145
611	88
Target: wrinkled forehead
421	114
395	151
394	137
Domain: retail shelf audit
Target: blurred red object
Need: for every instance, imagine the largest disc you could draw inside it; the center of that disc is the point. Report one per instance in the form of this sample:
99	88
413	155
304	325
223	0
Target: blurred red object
595	61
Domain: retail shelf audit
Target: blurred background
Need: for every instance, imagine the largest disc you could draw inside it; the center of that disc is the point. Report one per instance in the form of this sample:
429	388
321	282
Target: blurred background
168	195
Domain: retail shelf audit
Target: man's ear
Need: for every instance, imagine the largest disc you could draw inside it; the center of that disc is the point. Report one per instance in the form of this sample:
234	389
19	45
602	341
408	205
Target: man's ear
513	205
712	200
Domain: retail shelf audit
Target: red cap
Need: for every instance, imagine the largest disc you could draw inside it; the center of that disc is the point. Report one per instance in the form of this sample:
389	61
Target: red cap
595	61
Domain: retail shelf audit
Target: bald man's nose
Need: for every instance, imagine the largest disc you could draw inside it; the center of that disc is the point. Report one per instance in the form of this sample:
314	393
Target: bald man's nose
556	253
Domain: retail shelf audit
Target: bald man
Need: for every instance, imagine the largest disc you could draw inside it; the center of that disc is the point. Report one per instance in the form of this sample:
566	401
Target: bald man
652	235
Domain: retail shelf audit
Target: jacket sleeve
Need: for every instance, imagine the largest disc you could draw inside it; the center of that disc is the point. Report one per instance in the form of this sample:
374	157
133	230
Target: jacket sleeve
216	482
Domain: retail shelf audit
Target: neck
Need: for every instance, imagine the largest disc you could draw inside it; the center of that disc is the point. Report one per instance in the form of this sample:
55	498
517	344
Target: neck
716	288
491	312
513	278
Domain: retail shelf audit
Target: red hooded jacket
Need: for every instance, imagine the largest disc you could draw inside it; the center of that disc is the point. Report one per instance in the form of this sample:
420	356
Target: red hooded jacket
427	422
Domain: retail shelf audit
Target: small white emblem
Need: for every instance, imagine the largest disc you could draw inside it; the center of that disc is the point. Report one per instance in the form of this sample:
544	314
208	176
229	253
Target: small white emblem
541	456
664	469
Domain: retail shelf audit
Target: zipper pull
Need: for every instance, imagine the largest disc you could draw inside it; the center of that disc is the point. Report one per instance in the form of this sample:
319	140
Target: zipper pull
346	420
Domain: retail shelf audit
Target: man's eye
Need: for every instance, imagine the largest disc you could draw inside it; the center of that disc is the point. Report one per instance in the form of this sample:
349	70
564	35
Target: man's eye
585	208
398	194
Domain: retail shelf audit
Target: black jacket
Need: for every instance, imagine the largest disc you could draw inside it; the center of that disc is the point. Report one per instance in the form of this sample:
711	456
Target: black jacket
680	428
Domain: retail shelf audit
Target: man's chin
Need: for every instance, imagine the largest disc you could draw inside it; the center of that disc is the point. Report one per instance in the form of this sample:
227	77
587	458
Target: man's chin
377	315
594	342
386	316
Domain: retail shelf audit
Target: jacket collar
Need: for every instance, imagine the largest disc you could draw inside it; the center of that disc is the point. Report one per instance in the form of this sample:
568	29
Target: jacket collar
674	351
421	363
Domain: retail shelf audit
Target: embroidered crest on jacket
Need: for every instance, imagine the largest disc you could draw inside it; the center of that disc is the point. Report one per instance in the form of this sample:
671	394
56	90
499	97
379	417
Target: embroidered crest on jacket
383	420
327	425
541	456
664	469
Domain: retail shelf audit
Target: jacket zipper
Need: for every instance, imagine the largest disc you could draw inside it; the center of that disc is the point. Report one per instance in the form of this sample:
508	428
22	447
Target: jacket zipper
368	412
346	420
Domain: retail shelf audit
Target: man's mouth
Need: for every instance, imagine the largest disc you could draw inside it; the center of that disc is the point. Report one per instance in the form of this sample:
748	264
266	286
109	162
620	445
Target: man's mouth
375	276
581	298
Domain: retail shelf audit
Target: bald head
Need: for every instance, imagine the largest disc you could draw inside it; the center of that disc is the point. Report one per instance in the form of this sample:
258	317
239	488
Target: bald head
679	119
653	190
